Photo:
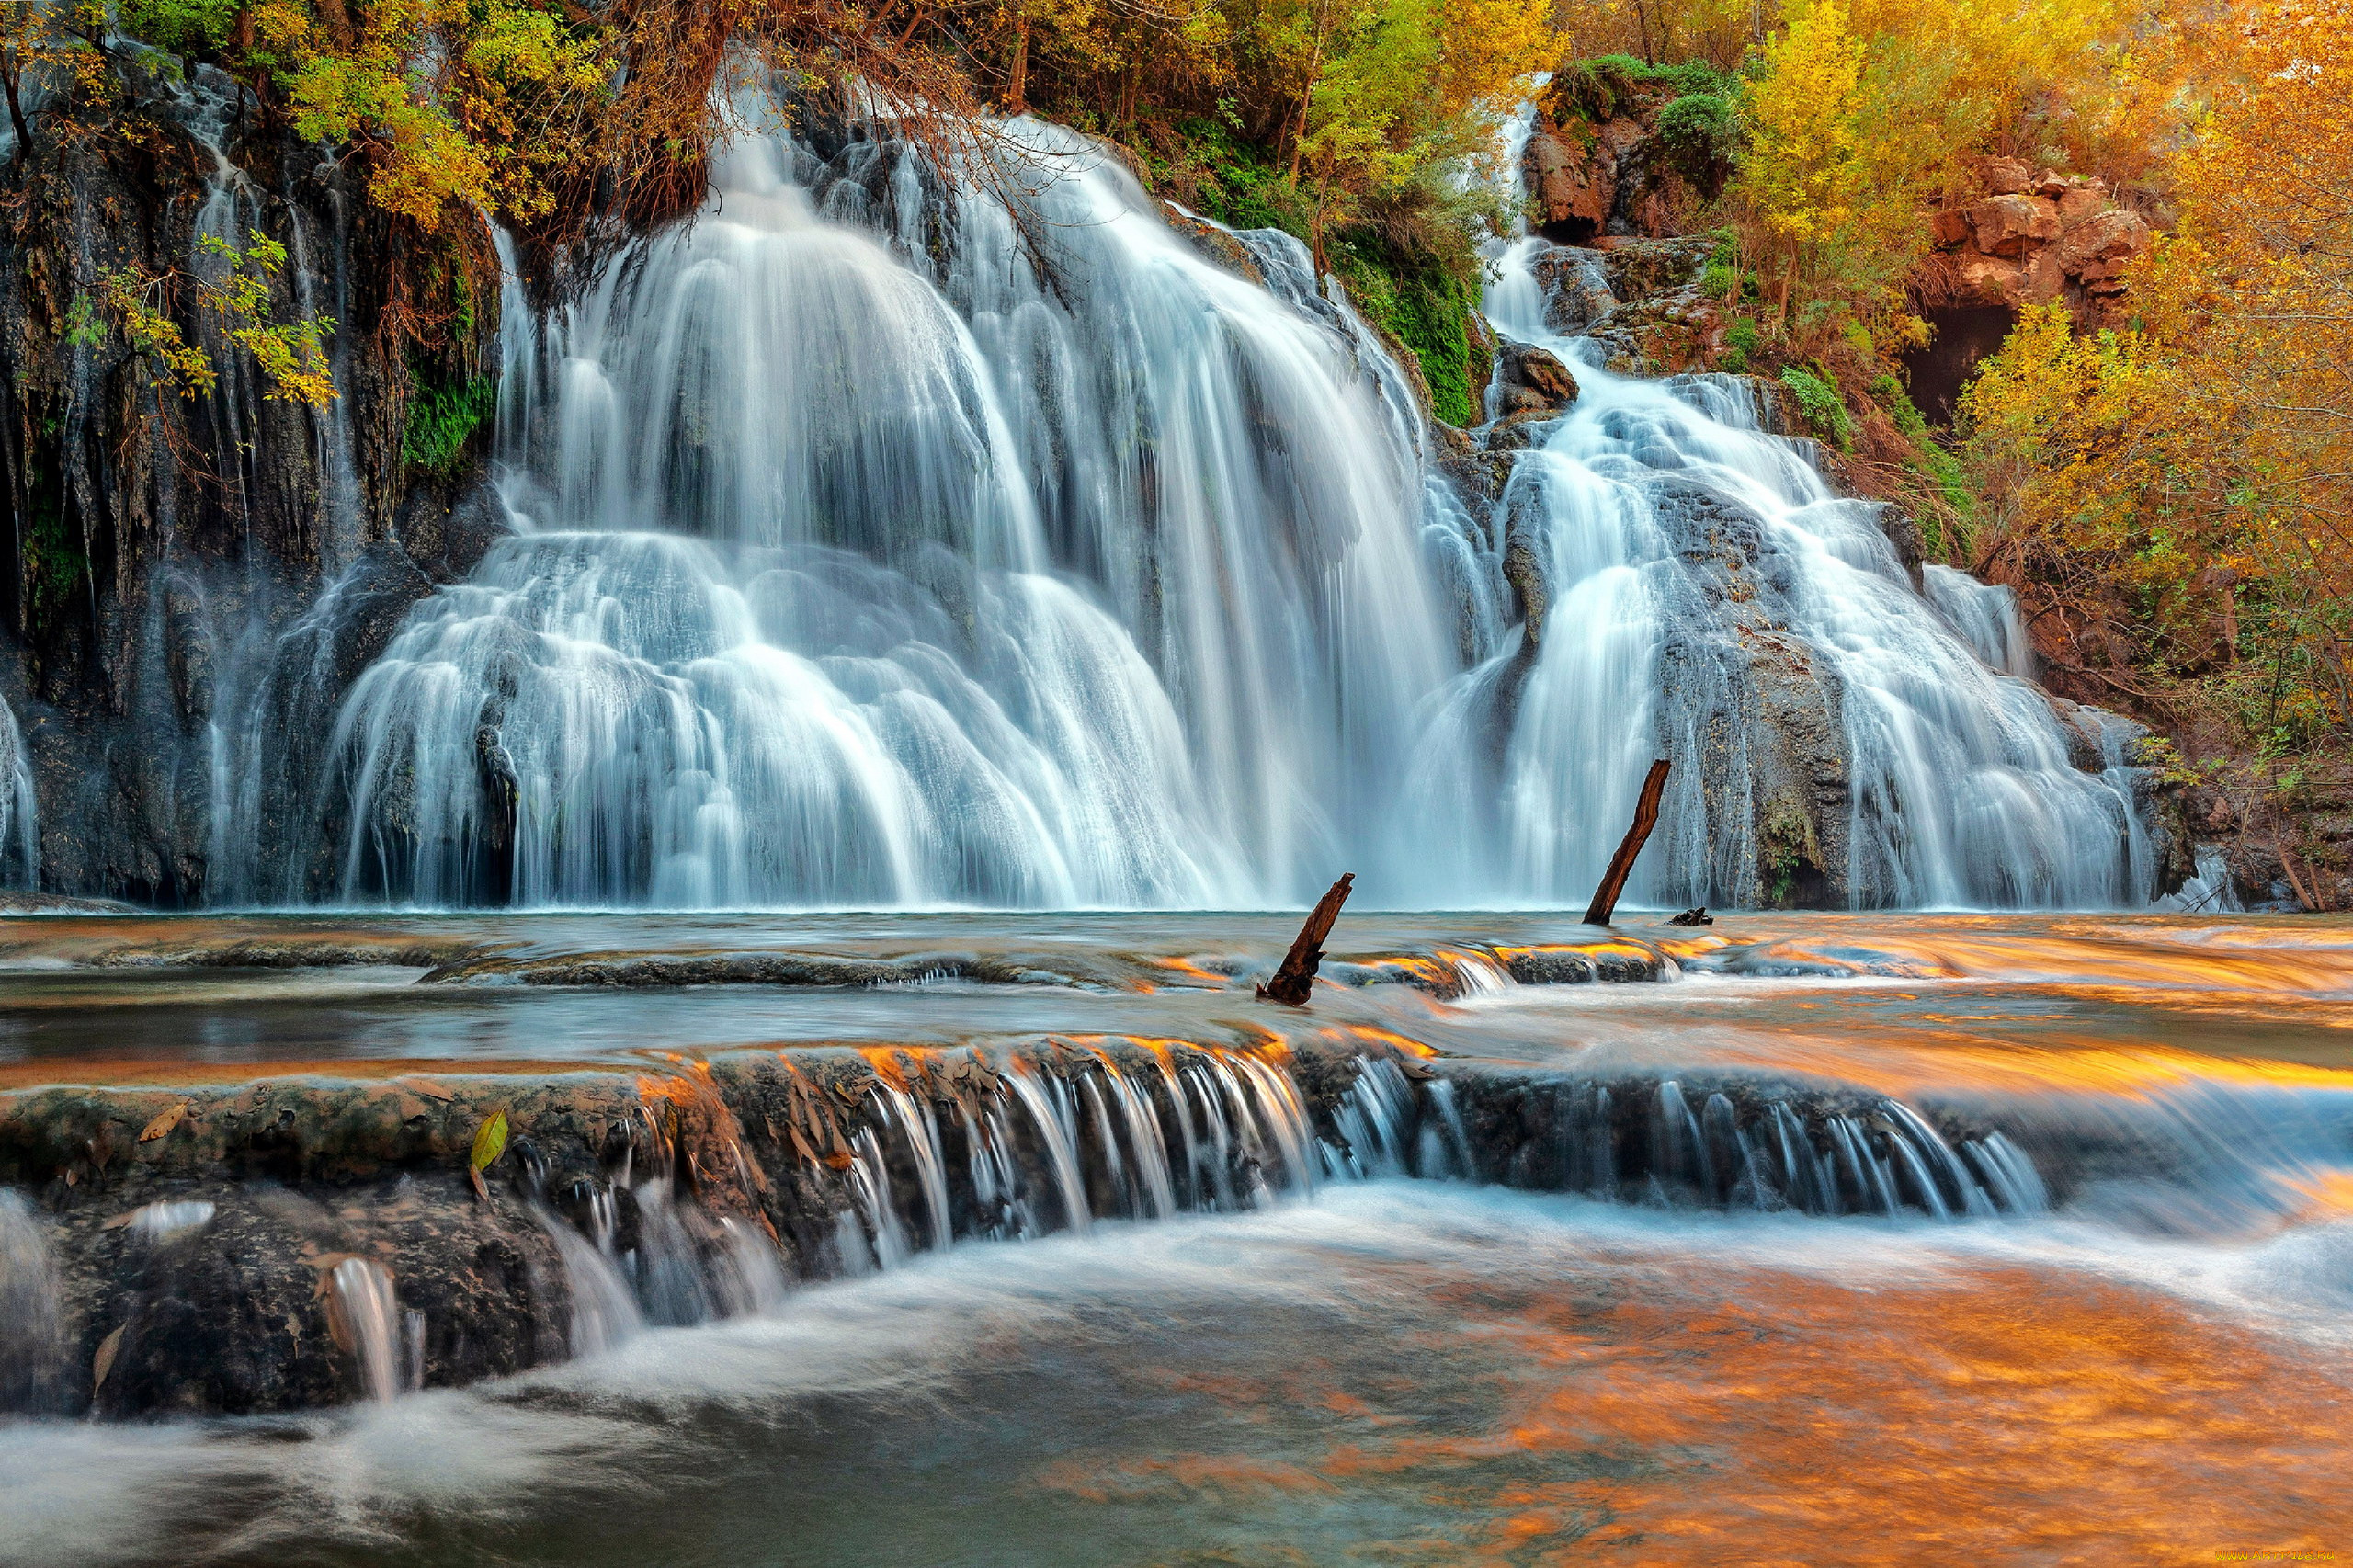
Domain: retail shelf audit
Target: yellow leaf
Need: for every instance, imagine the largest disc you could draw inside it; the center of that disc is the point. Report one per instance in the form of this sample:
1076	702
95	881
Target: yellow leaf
490	1142
104	1362
162	1125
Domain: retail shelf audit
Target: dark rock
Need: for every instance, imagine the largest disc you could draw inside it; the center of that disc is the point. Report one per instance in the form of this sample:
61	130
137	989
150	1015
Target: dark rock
1903	532
446	539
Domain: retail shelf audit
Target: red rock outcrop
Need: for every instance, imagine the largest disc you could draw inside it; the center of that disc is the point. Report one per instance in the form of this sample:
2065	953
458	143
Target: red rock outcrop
2033	238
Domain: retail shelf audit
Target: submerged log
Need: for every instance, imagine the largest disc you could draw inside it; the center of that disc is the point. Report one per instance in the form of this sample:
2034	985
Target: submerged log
1297	977
1604	897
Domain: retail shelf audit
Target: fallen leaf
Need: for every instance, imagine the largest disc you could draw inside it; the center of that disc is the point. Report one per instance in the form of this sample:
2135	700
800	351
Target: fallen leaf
489	1143
104	1362
163	1124
481	1188
429	1088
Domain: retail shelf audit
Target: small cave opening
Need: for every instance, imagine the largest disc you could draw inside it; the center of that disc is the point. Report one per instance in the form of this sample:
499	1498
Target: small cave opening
1961	336
1571	231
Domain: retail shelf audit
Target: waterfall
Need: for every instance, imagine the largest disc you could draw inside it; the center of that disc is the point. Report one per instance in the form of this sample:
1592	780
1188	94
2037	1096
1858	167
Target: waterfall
1987	617
1712	600
369	1317
32	1345
19	812
893	537
882	550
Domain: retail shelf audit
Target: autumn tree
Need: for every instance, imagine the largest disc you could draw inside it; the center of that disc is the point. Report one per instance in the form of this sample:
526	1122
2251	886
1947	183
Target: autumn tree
2202	462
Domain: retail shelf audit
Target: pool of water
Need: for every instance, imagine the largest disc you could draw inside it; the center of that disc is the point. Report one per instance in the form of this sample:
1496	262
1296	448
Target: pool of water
1397	1371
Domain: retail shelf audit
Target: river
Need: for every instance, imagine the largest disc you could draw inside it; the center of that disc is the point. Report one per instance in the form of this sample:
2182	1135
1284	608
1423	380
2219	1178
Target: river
2139	1350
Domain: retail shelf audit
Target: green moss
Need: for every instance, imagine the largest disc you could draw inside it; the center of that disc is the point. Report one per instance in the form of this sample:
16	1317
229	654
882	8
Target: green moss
1428	311
442	418
1819	401
1786	851
1742	342
1889	391
1411	266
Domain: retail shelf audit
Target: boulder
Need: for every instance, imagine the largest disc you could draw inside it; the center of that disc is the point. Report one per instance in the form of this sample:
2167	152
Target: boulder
2079	202
1988	279
2098	250
2012	226
1539	373
1949	226
2005	176
1572	185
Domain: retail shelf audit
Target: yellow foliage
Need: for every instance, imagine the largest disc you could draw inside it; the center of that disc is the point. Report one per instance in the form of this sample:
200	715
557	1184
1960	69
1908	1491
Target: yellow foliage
2210	451
292	355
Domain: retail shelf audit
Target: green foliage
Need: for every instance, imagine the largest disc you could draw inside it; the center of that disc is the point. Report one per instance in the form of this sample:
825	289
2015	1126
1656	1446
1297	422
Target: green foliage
1410	262
1428	310
52	560
194	29
1889	391
1742	342
291	354
1701	134
1820	403
1603	87
442	418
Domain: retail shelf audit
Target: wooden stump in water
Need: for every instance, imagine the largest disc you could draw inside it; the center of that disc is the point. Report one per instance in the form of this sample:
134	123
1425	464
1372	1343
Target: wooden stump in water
1297	977
1604	897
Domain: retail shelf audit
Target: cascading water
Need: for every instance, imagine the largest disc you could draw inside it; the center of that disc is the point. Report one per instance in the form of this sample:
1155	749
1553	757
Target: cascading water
19	812
878	559
32	1350
368	1315
1706	585
895	539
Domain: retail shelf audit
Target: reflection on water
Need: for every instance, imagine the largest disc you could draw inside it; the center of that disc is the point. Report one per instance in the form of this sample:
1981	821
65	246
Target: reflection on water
2157	1370
1399	1372
252	989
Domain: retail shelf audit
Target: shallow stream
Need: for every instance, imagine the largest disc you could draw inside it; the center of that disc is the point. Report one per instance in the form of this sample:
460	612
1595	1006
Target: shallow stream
2156	1365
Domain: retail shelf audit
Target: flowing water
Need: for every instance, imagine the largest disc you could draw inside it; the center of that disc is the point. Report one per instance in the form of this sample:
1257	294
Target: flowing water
1842	1239
887	538
879	547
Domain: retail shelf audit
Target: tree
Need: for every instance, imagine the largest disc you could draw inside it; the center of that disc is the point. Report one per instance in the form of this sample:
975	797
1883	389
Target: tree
2204	459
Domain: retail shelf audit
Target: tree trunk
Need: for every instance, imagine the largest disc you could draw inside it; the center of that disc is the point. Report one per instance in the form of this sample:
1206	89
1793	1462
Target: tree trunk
16	111
1017	83
1293	982
1604	897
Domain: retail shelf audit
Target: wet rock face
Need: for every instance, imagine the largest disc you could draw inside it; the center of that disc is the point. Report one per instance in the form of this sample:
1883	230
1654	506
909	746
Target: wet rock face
1597	173
1640	299
301	1243
304	1242
171	540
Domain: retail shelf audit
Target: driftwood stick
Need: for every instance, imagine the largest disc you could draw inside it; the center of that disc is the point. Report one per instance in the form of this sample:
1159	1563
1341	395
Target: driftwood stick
1604	897
1297	977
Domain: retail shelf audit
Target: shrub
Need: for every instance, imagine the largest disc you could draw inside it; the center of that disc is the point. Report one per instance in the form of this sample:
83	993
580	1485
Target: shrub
1819	401
1607	85
1701	134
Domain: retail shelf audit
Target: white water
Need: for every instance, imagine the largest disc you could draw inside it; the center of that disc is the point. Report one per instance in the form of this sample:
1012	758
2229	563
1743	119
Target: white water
874	554
370	1314
853	582
1962	792
19	812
